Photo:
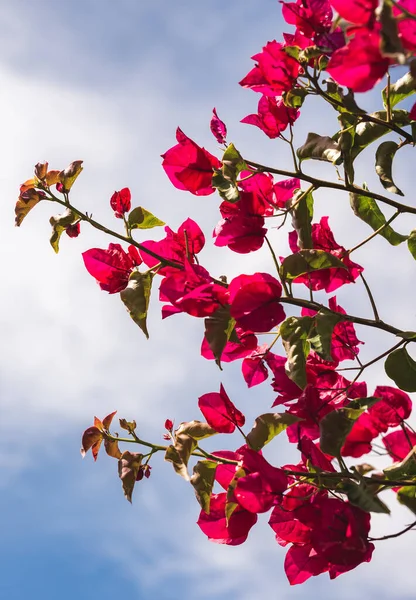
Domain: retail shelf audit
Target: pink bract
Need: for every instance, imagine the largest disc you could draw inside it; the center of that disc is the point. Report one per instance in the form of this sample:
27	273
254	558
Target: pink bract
190	167
254	301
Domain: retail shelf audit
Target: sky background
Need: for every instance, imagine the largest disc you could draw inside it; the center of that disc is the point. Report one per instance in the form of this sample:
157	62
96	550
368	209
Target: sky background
108	83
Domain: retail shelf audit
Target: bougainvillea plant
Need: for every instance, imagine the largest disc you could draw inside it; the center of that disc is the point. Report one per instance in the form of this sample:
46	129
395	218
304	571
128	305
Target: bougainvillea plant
321	506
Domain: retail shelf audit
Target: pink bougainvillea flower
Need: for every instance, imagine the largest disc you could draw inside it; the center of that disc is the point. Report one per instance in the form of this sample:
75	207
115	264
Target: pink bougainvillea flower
338	539
111	268
359	12
257	197
406	25
394	406
215	524
262	487
191	291
233	350
218	128
303	562
240	233
190	167
253	368
284	191
121	202
358	441
254	301
344	343
286	388
313	454
326	279
359	65
412	113
311	409
188	241
399	443
224	473
341	535
311	17
273	116
274	73
220	412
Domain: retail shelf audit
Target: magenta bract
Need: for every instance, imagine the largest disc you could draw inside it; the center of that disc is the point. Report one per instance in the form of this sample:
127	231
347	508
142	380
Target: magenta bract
190	167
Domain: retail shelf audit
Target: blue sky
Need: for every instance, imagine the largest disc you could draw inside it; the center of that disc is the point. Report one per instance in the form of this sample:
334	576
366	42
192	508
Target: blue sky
109	83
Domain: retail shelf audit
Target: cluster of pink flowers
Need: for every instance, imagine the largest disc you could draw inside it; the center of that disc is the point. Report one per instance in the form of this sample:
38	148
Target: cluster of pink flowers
326	532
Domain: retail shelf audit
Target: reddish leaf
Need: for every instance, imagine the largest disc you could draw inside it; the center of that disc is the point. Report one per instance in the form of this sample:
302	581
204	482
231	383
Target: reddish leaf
91	438
128	469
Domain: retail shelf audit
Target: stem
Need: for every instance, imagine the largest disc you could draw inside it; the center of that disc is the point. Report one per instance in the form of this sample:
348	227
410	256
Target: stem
393	535
157	448
376	232
402	208
371	298
115	234
276	262
379	357
358	320
388	105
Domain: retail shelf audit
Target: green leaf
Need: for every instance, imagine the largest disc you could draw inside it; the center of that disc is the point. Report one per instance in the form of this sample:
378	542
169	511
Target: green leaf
196	429
203	482
334	428
306	261
384	165
179	453
292	51
367	132
411	243
324	325
268	426
319	147
361	495
401	367
346	138
400	90
140	218
219	329
302	215
226	188
295	98
405	469
230	505
344	102
295	332
368	211
391	44
407	496
225	179
232	163
363	403
136	298
59	224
